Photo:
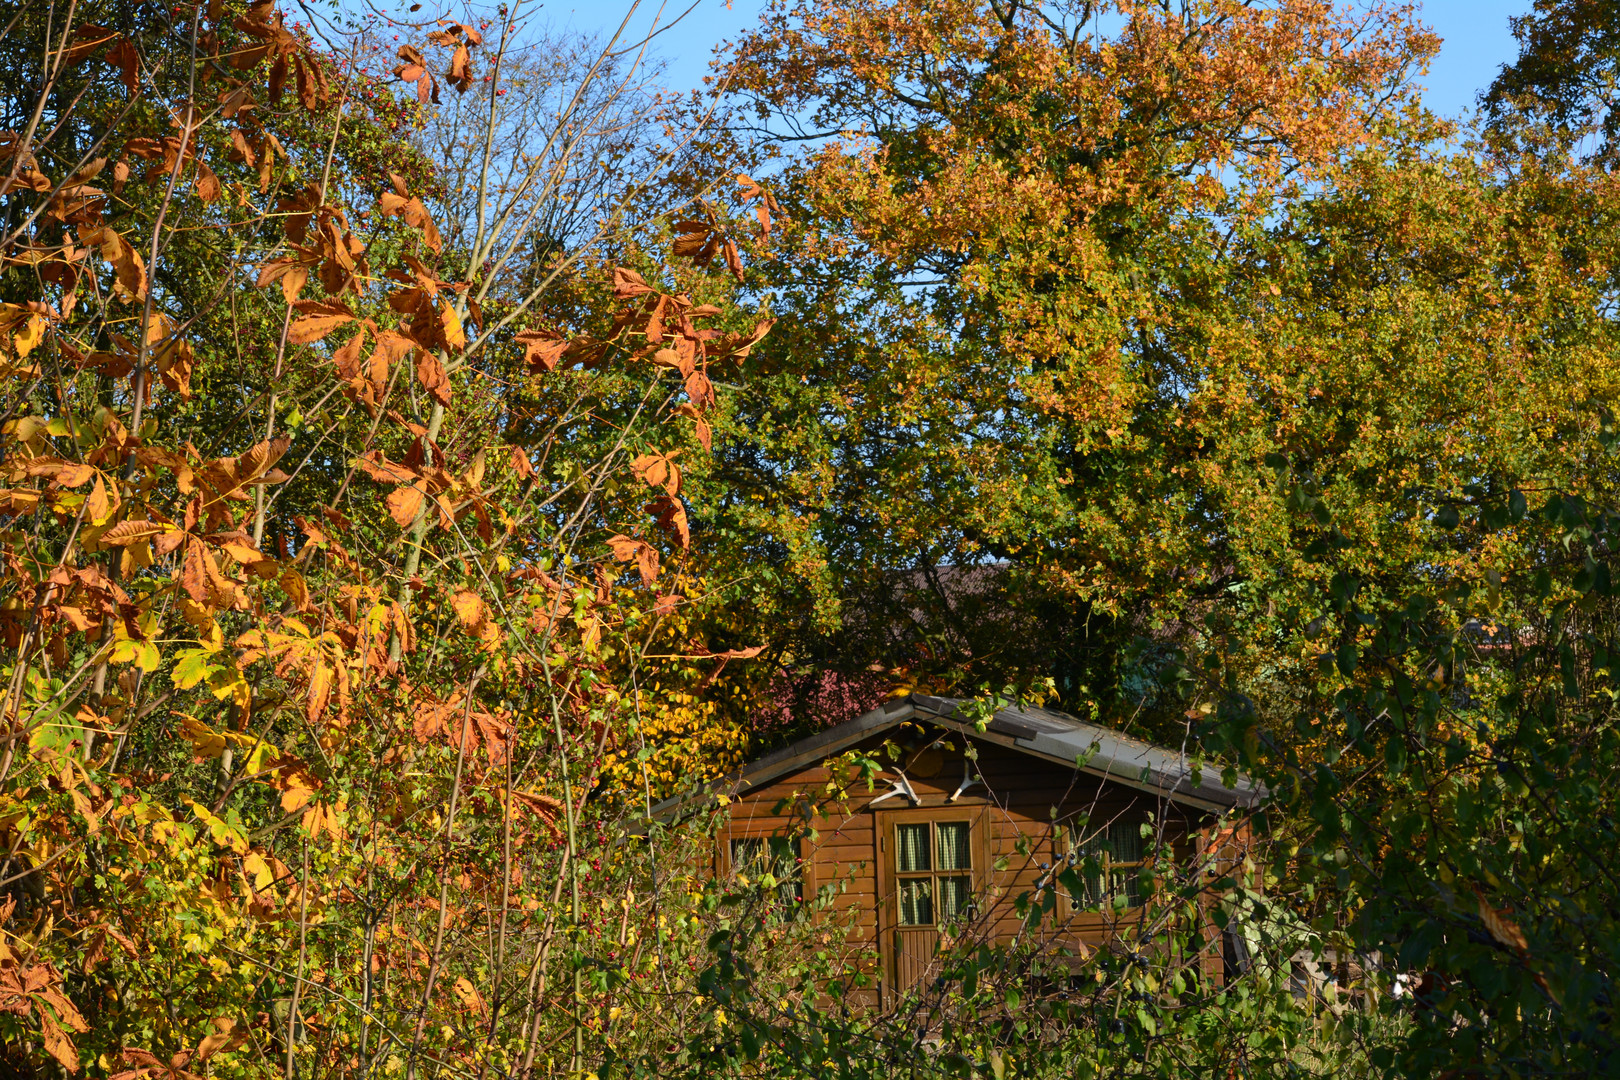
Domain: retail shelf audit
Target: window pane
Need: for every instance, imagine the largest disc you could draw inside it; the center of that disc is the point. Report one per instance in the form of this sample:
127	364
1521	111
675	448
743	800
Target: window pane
917	902
1096	887
1127	841
1125	838
747	855
955	896
1116	851
754	856
1128	883
784	864
955	853
911	853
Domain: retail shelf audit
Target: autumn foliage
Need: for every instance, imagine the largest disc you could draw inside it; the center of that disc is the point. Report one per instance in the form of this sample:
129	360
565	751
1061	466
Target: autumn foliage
317	614
383	535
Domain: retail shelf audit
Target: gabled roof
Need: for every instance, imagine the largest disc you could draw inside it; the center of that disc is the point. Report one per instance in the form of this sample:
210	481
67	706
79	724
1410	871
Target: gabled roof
1041	733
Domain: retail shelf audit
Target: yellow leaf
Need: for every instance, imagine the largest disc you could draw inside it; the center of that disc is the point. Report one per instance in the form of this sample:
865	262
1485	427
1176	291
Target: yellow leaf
147	657
253	863
98	507
454	336
205	742
32	332
259	759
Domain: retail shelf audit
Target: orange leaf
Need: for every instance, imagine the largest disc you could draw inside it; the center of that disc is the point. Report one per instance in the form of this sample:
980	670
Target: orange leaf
454	335
292	583
347	357
75	617
321	320
542	350
97	505
200	576
228	1035
291	274
734	654
674	358
469	608
404	504
126	263
464	990
57	1043
703	432
659	470
71	475
700	390
430	373
646	556
320	690
208	189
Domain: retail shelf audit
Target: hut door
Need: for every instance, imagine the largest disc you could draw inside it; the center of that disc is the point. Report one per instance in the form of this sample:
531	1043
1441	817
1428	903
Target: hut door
932	868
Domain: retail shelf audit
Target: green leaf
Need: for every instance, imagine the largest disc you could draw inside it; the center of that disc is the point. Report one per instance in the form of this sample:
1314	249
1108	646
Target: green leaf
1346	658
192	666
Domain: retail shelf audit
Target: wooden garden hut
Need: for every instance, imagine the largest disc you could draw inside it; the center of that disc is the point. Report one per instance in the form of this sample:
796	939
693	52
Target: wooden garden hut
959	822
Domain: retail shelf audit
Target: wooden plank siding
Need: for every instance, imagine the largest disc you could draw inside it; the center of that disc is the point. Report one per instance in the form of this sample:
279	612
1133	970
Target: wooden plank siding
1021	799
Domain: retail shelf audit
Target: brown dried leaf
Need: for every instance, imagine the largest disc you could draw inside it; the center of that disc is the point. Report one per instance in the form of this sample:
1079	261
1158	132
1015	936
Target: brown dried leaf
228	1035
700	390
701	426
520	463
347	357
132	532
625	548
628	284
208	188
671	514
318	321
542	350
126	262
1500	925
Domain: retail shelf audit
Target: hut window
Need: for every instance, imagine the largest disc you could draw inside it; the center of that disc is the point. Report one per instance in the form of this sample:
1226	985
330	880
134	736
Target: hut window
933	865
753	857
1117	853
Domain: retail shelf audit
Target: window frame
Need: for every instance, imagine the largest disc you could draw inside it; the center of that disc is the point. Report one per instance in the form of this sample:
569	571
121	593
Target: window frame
1128	871
933	817
797	845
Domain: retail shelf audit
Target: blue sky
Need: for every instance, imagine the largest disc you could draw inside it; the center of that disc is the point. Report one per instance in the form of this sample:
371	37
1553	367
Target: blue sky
1477	41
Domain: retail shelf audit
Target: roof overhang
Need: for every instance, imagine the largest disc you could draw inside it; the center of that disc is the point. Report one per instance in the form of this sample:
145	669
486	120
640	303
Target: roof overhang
1041	733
